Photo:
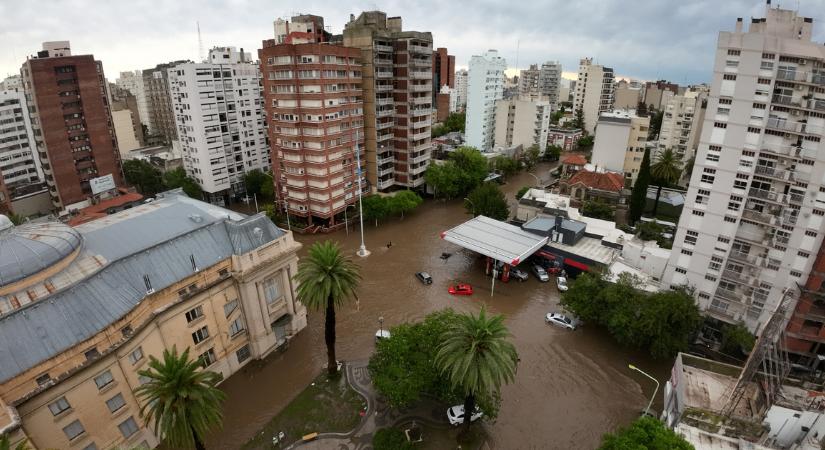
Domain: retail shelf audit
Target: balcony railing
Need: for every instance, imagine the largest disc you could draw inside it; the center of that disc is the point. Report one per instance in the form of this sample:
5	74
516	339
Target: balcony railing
384	184
384	125
742	257
420	75
383	88
774	173
803	77
382	48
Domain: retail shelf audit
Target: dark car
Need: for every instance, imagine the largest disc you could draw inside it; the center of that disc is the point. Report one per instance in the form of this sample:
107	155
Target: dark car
424	277
518	274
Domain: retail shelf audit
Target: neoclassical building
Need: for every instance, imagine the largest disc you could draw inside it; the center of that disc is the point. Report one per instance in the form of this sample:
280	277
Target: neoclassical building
82	309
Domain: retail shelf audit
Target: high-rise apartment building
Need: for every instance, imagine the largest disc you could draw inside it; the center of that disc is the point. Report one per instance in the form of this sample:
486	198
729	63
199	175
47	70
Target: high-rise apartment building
160	116
19	165
314	105
619	146
627	95
133	82
443	82
753	221
12	83
550	81
458	97
301	29
485	86
220	121
125	119
658	93
522	122
682	120
528	82
594	92
398	98
71	121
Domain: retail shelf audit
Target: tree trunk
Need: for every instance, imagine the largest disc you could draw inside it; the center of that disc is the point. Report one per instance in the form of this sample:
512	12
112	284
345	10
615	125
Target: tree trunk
469	407
656	203
329	337
198	444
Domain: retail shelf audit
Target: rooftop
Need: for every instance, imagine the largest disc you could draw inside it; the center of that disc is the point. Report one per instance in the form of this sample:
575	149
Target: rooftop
28	249
498	240
575	160
603	181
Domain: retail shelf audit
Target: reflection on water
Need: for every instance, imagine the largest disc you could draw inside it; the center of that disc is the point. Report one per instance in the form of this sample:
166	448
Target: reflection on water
570	386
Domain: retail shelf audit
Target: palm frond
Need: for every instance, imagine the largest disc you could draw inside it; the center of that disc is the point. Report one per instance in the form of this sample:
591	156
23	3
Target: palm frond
326	275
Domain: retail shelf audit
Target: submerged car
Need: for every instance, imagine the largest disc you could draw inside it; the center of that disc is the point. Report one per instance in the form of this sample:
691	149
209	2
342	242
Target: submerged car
424	277
518	274
455	415
561	283
382	334
540	273
561	320
460	289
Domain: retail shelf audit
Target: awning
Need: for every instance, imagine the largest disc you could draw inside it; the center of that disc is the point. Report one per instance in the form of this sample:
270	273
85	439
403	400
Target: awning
498	240
576	264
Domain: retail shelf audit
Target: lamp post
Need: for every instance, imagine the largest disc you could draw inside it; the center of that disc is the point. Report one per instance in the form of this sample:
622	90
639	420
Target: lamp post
362	251
381	326
346	220
538	180
471	204
632	367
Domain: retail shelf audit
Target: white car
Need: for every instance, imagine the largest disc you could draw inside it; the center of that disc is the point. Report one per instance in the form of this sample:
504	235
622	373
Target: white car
560	320
456	415
540	273
561	283
382	334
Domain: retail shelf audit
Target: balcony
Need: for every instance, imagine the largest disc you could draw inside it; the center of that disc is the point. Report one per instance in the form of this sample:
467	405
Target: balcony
729	295
385	112
425	100
383	74
423	135
760	217
384	184
384	125
420	75
737	276
742	257
792	127
384	137
385	160
421	112
421	88
424	49
385	170
421	123
382	48
786	150
419	159
383	88
771	172
384	101
801	77
416	170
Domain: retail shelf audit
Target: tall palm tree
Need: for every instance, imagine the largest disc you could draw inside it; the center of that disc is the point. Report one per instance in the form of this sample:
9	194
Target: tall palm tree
326	280
666	169
181	399
476	357
5	444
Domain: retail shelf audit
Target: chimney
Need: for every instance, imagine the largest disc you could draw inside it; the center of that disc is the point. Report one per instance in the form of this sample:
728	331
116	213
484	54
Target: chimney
242	54
739	24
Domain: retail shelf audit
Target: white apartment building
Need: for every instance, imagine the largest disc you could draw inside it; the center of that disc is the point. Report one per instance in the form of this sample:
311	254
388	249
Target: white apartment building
458	98
522	122
754	216
594	92
219	119
682	122
620	142
19	165
485	85
528	82
12	83
133	82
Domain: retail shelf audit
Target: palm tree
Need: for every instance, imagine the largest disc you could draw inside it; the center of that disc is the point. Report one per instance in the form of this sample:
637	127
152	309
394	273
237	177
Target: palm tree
476	357
5	444
666	169
326	280
181	399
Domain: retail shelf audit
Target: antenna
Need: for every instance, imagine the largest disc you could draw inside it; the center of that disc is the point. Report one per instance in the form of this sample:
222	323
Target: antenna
200	43
518	44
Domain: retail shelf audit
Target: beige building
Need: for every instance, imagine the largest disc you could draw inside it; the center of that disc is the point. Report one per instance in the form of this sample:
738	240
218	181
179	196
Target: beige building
522	122
682	122
628	95
124	122
594	92
82	309
620	143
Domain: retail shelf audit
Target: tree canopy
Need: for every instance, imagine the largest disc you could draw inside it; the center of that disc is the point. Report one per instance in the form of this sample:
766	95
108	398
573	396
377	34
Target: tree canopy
578	119
403	202
455	122
655	125
531	156
375	208
465	169
488	200
259	183
553	152
144	176
598	210
585	143
505	165
644	433
177	178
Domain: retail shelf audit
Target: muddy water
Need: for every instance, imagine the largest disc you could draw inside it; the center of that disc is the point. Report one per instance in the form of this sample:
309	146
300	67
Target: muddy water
569	389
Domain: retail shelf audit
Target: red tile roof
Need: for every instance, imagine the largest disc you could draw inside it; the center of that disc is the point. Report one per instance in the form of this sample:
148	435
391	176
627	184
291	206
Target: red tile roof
605	181
98	210
575	160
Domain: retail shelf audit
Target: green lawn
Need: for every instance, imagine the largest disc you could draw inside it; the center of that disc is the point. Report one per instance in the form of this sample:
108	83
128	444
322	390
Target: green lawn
324	406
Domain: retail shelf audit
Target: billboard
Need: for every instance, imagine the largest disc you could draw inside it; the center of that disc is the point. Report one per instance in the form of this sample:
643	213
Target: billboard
102	184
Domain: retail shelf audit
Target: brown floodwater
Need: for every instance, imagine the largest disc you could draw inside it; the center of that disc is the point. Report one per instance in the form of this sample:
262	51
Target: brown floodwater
570	388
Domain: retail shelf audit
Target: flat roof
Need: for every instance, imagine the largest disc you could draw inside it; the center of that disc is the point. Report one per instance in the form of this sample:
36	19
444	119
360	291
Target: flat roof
498	240
589	248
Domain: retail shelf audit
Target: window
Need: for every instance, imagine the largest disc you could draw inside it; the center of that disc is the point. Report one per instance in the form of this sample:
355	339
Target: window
687	252
128	427
715	148
735	203
723	240
690	237
43	379
698	213
207	358
759	106
803	254
704	295
91	354
768	56
754	130
136	355
730	219
143	379
739	184
194	313
720	125
236	326
715	263
766	65
104	379
725	101
795	273
229	307
729	77
681	270
707	178
712	157
748	153
710	278
59	405
810	233
702	196
808	162
73	429
731	63
733	52
126	331
243	353
764	81
200	335
93	446
819	212
115	403
271	290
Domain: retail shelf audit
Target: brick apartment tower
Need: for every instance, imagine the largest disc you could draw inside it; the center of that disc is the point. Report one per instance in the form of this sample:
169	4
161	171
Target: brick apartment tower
72	123
805	333
443	75
314	107
398	96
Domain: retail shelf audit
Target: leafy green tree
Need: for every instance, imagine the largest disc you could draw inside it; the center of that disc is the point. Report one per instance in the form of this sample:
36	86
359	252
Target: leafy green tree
5	444
465	169
641	109
687	171
638	198
521	192
487	200
375	207
16	219
404	201
578	119
736	339
327	279
645	433
144	176
553	152
254	181
585	143
180	399
598	210
554	118
531	156
505	165
443	178
438	131
665	170
649	231
477	357
177	178
268	187
455	122
655	125
390	439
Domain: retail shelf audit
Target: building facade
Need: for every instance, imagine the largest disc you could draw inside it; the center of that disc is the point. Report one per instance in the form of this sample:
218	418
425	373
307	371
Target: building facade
314	105
190	276
753	220
458	97
72	123
528	82
20	170
485	86
125	119
621	138
397	97
443	70
682	120
594	92
566	138
628	95
220	121
133	82
522	122
658	93
160	116
550	81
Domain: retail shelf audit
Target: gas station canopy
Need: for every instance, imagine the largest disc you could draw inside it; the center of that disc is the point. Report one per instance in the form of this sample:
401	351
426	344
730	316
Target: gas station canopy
498	240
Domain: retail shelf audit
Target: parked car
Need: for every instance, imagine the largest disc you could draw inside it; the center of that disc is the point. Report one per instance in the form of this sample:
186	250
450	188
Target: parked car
561	283
560	320
460	289
540	273
382	334
424	277
518	274
455	415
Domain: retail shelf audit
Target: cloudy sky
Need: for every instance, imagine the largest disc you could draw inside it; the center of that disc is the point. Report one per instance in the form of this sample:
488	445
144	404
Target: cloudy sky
645	39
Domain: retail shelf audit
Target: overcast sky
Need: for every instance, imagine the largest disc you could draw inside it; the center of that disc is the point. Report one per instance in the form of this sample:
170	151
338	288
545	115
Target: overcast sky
645	39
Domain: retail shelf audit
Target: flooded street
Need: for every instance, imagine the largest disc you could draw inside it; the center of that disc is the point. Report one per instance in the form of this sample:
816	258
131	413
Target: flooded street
570	387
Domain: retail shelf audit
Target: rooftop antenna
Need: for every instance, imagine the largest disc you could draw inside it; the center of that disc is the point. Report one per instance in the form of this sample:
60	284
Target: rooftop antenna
200	43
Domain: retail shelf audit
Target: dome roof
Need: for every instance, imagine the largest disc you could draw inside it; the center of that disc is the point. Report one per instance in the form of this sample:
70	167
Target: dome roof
30	248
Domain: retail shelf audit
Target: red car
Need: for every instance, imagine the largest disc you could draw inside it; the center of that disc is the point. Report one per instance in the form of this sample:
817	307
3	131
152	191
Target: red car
461	289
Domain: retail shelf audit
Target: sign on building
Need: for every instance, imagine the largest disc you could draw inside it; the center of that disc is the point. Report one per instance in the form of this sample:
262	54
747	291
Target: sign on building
102	184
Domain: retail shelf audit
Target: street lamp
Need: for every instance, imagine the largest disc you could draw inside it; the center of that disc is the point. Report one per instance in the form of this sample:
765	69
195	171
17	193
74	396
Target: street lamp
362	251
632	367
381	326
346	220
538	180
471	204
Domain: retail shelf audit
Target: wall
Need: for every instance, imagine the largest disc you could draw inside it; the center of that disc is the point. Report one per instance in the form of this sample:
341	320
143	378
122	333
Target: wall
610	145
124	130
